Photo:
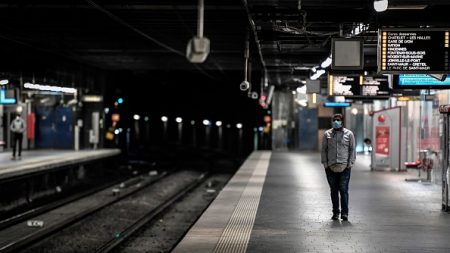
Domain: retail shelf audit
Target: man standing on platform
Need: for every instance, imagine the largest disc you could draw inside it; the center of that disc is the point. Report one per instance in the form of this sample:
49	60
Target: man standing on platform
17	127
338	156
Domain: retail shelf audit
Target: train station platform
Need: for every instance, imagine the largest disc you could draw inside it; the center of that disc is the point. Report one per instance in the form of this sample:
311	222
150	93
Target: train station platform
280	202
37	161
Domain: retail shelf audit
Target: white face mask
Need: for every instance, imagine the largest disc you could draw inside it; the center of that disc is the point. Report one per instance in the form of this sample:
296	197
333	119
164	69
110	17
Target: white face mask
336	124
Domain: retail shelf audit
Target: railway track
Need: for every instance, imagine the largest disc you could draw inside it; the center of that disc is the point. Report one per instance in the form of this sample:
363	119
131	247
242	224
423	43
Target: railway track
103	228
17	234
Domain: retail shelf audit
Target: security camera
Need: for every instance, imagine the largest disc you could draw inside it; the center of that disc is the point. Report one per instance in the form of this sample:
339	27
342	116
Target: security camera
244	85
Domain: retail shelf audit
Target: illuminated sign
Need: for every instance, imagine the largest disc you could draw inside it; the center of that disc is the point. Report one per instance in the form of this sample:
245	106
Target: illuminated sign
382	140
419	81
7	99
358	86
337	104
413	51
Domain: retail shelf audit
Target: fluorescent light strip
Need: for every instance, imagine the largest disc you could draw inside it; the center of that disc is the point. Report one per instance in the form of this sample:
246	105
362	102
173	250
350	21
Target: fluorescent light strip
92	98
49	88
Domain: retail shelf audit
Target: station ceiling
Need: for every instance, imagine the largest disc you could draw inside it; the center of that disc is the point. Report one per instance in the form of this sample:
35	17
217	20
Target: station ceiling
292	35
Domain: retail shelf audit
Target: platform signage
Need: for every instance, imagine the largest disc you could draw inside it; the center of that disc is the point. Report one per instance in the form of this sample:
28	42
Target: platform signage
337	104
419	81
7	97
413	51
358	86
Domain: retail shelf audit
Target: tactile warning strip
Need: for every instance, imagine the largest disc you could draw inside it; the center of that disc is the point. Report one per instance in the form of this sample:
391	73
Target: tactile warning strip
236	234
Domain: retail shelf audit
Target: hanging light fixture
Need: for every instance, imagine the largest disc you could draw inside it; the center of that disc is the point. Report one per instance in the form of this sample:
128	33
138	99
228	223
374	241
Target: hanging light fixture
245	85
380	5
198	47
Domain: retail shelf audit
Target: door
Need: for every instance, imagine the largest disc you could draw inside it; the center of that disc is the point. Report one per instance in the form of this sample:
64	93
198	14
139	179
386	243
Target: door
54	128
308	128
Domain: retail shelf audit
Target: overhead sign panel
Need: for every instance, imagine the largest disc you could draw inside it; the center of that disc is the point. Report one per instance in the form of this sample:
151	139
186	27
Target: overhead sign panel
419	81
413	51
337	104
312	86
357	86
7	96
347	54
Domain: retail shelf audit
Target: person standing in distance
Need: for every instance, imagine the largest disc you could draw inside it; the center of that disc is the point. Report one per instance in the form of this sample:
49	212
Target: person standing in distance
17	127
338	156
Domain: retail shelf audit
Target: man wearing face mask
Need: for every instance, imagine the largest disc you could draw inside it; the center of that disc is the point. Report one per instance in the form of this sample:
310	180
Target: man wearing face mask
338	156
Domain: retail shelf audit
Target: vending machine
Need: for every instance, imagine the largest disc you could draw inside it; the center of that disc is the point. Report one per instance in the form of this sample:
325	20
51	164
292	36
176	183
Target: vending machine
444	133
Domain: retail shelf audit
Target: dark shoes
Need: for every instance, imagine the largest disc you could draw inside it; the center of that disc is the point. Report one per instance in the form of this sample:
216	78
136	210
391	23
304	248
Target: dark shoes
335	216
344	217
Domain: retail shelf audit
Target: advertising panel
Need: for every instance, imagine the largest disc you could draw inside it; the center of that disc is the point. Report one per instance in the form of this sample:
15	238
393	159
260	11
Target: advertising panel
382	140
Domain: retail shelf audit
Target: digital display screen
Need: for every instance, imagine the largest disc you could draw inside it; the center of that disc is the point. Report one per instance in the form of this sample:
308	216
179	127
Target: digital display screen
402	51
347	54
419	81
358	86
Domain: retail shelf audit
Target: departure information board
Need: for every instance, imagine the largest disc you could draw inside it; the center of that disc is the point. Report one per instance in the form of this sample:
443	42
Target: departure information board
358	86
403	51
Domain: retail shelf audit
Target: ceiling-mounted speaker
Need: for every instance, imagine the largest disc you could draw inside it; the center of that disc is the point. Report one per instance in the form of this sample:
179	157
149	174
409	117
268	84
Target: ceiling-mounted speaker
198	49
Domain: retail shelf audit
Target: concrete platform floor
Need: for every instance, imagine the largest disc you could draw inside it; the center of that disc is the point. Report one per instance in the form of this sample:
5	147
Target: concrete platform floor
39	160
387	214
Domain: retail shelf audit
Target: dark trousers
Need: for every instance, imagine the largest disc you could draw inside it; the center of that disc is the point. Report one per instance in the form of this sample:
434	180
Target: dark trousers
17	138
338	182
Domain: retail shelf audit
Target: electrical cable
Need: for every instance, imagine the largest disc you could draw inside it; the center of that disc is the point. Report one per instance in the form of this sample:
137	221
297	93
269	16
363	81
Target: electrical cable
159	43
181	19
122	22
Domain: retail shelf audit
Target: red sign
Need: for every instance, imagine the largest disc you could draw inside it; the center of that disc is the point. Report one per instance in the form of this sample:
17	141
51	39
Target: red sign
444	108
382	140
115	117
31	120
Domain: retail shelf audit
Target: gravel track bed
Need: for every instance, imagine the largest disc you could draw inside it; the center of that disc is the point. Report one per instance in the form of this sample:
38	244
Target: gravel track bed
163	234
90	233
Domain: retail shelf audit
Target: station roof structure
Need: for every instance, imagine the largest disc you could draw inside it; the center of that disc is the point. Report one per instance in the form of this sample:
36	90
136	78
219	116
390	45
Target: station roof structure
288	37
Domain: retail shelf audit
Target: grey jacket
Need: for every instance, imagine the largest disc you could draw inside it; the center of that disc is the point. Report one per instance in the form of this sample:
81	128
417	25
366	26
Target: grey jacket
338	147
17	125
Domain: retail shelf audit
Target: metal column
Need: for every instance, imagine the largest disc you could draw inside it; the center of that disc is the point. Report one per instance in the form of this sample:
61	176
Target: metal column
445	142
